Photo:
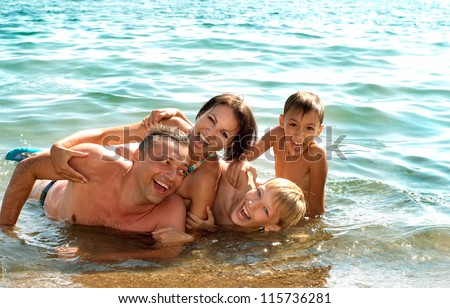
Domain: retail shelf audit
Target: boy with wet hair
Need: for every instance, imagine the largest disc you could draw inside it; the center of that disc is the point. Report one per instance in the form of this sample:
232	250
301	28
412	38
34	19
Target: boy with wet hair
274	205
298	157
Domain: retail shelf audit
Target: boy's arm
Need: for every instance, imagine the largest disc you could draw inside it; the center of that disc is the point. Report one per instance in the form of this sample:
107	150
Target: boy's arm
238	170
263	144
21	184
237	173
195	222
318	177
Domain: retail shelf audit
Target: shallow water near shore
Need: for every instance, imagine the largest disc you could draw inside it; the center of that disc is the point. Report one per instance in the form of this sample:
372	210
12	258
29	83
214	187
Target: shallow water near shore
381	69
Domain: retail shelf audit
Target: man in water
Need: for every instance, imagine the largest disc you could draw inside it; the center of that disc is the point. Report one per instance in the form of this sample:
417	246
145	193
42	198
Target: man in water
133	196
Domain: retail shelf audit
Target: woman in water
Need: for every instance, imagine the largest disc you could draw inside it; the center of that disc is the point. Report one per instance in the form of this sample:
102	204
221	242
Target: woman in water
225	122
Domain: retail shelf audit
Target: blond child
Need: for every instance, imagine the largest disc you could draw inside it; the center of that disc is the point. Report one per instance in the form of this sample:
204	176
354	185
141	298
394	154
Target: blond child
274	205
298	157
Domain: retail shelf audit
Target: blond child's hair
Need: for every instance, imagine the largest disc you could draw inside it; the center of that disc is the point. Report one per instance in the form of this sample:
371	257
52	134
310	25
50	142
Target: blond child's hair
291	200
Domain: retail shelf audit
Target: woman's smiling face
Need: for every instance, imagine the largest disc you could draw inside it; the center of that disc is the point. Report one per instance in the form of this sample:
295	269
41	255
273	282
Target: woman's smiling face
214	130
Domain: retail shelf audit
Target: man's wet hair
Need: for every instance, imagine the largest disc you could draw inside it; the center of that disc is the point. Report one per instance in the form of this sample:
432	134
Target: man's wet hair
160	131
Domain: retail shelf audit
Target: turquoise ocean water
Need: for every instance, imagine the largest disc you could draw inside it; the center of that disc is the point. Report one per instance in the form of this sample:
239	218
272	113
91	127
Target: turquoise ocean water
381	67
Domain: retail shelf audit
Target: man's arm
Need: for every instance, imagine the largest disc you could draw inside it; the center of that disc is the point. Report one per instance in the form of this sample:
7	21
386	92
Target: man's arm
160	252
171	219
21	184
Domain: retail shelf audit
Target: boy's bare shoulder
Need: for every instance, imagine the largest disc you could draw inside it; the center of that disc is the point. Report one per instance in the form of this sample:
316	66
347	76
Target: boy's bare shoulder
316	153
277	131
273	136
315	148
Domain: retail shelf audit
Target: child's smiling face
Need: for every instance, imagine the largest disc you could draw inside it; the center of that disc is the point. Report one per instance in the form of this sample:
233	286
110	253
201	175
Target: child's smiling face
256	209
299	130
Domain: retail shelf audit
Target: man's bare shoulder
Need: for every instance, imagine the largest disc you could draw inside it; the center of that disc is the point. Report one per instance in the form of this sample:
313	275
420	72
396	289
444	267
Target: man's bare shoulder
100	161
173	200
172	206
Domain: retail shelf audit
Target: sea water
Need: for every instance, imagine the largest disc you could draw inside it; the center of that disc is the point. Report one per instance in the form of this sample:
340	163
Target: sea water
381	68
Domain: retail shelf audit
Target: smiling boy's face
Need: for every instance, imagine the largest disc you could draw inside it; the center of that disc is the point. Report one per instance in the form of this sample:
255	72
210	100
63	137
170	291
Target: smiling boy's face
299	130
256	209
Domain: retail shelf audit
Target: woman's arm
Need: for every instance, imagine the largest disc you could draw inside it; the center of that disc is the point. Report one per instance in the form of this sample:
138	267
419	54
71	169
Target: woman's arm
134	133
159	115
201	190
61	153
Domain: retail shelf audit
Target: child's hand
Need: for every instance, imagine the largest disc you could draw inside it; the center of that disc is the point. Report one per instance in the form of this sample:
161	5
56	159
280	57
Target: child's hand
60	157
195	222
158	115
237	173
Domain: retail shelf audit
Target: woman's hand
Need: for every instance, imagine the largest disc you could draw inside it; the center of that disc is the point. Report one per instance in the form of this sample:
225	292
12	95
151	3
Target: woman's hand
60	157
195	222
158	115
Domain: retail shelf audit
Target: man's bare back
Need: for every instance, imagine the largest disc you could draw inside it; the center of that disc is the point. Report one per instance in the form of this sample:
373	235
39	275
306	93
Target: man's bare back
133	196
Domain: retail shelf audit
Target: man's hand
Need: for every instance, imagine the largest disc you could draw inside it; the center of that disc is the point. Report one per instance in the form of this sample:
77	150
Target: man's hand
67	252
170	236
